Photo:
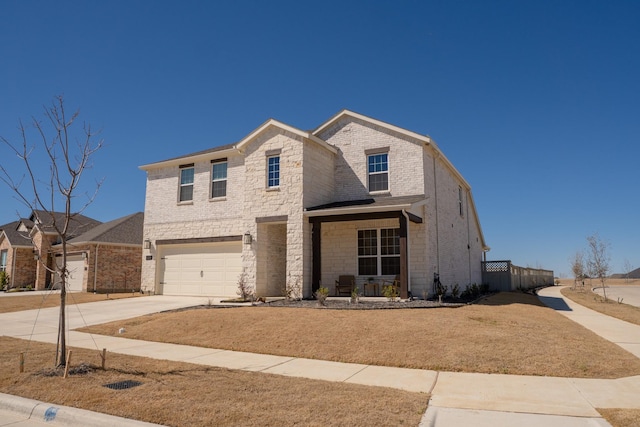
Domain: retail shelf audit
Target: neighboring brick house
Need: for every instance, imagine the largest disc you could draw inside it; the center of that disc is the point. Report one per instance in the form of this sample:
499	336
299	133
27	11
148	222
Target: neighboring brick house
102	257
284	206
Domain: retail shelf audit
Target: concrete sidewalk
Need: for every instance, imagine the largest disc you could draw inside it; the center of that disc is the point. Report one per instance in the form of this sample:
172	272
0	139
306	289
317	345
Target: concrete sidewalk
456	398
624	334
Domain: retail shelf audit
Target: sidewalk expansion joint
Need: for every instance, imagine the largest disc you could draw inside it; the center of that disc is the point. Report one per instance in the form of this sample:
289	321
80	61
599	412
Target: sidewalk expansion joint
278	364
355	373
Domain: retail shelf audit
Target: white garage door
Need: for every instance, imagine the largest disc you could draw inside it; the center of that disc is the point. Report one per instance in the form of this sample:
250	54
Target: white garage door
75	266
210	269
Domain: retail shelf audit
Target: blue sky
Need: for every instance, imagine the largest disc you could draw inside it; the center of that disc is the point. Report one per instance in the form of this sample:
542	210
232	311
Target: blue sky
536	103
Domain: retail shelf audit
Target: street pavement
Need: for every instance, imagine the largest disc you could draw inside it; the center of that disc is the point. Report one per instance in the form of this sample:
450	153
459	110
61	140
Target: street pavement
457	399
627	294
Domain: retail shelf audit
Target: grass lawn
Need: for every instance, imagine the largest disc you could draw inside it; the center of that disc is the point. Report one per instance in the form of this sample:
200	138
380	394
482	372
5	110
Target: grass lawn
621	417
28	301
182	394
508	333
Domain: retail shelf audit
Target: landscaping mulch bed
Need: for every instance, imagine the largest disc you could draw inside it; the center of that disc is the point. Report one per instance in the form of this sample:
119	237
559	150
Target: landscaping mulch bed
346	304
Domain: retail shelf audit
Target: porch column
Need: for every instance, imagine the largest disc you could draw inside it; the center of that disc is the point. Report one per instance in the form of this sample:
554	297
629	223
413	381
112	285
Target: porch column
316	265
404	269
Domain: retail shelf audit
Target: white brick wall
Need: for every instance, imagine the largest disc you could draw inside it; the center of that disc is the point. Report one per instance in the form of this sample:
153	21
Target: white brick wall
327	177
352	138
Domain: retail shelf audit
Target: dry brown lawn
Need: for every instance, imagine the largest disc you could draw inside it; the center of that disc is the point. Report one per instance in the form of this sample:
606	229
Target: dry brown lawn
621	417
509	333
24	301
184	394
596	302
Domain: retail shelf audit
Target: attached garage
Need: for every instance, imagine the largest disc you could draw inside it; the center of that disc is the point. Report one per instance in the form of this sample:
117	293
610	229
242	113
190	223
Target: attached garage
210	269
75	267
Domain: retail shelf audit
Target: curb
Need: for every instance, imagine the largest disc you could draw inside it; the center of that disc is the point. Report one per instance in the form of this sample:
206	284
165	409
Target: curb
59	415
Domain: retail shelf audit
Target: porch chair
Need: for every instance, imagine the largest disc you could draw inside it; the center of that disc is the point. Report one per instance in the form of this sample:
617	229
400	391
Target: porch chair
345	283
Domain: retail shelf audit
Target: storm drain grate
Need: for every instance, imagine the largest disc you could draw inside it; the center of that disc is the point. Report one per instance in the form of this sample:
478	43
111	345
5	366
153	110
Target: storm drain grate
123	385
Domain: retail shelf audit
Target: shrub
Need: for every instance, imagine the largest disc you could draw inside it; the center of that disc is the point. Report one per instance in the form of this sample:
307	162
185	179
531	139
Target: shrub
244	290
293	289
390	292
455	291
321	295
4	280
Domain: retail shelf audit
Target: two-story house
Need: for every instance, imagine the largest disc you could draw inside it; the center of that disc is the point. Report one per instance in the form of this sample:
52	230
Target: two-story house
283	206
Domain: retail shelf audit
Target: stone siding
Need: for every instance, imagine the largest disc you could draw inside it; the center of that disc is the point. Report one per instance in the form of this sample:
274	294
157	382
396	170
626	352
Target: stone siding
352	137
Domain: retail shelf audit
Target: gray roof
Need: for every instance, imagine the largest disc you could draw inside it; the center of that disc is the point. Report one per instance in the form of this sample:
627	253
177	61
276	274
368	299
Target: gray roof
78	225
15	237
126	231
197	153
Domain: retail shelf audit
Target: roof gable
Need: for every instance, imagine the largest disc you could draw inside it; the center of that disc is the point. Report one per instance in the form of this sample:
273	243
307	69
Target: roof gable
239	146
125	231
15	237
44	221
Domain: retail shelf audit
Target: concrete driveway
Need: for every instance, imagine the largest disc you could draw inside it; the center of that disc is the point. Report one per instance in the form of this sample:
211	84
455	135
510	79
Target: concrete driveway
630	294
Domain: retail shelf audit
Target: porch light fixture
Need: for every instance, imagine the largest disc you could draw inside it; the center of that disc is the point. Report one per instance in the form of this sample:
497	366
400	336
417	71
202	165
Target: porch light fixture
146	244
246	239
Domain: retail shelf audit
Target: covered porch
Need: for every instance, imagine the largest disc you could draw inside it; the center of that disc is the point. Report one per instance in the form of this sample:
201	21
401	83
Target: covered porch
367	239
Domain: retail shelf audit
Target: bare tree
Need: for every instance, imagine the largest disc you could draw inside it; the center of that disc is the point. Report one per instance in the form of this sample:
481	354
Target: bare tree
68	157
577	267
628	268
598	260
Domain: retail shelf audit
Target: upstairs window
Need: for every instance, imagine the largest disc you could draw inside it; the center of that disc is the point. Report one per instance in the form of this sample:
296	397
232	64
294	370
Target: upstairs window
460	205
218	178
273	171
186	183
378	172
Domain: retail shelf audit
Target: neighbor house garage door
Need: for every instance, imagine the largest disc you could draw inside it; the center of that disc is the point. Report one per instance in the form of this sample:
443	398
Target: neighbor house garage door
75	266
210	269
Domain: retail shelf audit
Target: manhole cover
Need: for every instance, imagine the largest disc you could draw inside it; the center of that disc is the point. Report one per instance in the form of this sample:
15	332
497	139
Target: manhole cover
122	385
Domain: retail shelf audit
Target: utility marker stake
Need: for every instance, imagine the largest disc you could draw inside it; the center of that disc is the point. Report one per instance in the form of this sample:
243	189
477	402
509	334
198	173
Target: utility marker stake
104	357
66	367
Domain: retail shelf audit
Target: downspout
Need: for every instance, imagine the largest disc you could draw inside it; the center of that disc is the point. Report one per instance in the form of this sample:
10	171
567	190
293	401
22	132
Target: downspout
95	269
406	217
468	232
435	191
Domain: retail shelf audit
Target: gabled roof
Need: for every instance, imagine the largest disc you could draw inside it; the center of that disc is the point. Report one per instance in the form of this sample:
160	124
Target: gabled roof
78	224
425	139
16	238
122	231
275	123
238	147
347	113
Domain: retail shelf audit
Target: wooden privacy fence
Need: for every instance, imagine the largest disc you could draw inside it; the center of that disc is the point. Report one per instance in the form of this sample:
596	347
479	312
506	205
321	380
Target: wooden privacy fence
504	276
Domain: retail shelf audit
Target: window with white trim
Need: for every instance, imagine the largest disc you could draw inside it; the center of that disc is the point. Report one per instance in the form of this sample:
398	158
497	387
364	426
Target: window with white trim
3	260
379	252
460	206
378	171
218	178
273	171
186	183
